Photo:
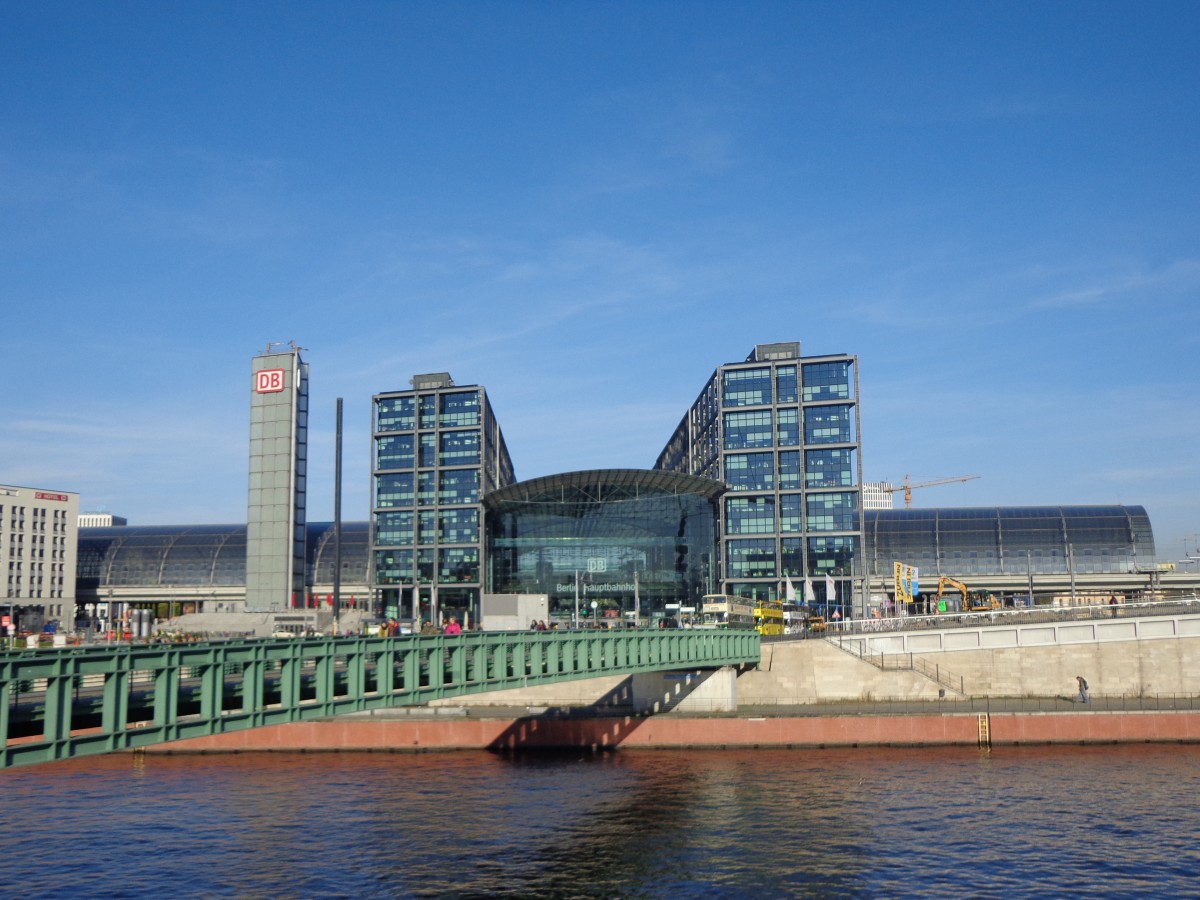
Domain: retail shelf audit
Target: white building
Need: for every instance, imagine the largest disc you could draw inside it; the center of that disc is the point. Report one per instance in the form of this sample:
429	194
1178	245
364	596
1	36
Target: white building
100	520
38	540
877	495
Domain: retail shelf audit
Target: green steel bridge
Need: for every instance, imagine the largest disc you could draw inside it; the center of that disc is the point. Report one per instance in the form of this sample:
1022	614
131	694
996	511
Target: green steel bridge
84	700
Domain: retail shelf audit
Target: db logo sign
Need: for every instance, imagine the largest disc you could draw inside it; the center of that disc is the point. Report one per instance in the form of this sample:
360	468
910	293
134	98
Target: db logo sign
268	381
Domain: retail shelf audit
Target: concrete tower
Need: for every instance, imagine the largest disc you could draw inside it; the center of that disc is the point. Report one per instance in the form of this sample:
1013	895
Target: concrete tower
278	461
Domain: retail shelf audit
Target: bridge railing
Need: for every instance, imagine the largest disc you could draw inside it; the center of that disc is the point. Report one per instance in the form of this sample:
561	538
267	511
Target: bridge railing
66	702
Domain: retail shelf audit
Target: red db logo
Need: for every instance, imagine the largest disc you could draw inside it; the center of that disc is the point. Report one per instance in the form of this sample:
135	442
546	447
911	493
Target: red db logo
268	381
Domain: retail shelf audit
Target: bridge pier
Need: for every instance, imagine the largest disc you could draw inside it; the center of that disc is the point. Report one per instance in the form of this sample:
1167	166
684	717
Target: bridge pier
696	690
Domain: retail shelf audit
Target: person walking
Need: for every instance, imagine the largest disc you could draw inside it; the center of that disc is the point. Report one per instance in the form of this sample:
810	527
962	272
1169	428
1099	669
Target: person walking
1083	690
452	627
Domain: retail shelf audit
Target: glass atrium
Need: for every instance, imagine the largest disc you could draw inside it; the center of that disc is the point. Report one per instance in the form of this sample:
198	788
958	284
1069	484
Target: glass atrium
630	541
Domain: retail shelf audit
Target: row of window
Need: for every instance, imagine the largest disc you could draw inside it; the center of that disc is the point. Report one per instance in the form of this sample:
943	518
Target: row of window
781	427
453	565
407	451
770	471
786	558
446	487
753	387
758	515
445	526
37	523
405	413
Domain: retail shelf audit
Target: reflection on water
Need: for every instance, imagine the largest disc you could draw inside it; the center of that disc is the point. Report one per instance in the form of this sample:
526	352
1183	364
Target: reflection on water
873	823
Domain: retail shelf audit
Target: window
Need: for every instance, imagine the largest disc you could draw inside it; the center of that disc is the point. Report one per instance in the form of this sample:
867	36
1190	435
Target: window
426	488
393	566
459	409
827	425
458	526
827	381
427	527
395	413
750	471
785	384
747	387
790	516
458	564
428	406
789	470
748	429
787	428
428	455
829	468
394	451
750	515
750	558
832	555
459	486
395	489
832	512
459	448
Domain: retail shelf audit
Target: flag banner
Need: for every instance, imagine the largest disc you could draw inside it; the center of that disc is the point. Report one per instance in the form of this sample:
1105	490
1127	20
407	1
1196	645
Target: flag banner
830	589
809	596
789	592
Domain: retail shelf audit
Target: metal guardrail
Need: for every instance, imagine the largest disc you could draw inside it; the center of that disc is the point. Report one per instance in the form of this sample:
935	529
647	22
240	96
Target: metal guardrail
1007	616
83	700
903	662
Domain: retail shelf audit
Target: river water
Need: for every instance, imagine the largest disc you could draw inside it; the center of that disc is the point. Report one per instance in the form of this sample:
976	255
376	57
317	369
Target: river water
940	822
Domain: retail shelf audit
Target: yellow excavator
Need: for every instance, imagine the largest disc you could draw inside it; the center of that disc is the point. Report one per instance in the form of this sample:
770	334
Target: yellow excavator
972	601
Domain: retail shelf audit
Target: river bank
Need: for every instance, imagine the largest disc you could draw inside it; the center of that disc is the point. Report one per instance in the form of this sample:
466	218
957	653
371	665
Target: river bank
449	729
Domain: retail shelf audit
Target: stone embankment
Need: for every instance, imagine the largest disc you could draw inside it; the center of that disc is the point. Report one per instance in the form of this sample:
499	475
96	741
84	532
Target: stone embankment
803	694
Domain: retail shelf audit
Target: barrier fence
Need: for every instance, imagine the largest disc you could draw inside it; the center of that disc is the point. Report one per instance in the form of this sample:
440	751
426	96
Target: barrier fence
77	701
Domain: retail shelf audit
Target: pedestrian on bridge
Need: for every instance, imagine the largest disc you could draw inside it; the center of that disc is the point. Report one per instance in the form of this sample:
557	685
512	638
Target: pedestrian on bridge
452	627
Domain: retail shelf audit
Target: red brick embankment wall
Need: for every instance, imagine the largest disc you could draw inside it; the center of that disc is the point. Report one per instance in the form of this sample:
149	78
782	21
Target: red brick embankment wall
672	732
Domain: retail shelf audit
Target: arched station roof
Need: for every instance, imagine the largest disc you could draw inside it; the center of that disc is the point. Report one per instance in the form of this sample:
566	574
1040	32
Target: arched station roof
601	485
999	540
203	555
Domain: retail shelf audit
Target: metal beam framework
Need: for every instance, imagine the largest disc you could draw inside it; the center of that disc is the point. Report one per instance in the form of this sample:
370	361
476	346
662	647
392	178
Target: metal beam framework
81	701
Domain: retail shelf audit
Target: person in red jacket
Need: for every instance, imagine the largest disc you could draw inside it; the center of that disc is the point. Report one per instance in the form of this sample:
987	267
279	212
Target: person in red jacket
452	627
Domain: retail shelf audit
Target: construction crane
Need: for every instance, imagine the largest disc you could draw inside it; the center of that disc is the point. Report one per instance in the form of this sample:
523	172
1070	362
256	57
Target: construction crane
908	487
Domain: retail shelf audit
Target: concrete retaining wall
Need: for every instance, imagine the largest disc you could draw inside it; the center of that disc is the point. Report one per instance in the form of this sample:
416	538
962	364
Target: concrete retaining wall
377	733
819	672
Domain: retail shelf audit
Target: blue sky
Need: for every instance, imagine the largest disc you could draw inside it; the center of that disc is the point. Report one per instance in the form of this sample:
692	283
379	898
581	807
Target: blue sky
586	207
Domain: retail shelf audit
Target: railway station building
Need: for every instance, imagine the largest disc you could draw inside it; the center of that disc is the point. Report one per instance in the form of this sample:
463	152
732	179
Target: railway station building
758	487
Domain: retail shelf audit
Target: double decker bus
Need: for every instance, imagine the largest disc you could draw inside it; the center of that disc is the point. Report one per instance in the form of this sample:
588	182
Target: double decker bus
768	617
724	611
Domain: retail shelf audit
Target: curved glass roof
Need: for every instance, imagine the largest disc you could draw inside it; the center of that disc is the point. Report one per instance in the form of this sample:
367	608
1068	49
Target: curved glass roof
1010	539
955	541
204	555
602	485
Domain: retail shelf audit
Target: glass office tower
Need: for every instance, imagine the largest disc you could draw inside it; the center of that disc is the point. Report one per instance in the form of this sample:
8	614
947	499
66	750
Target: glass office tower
782	432
437	449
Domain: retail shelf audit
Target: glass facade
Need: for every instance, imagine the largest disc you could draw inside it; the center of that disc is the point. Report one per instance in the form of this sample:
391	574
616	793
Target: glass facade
634	540
980	542
1034	540
437	450
199	556
781	431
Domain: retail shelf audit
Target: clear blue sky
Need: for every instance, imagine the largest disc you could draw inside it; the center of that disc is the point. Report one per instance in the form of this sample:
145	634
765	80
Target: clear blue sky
586	207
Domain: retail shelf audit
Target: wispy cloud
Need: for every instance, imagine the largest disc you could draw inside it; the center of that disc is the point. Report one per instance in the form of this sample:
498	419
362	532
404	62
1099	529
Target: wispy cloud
1177	276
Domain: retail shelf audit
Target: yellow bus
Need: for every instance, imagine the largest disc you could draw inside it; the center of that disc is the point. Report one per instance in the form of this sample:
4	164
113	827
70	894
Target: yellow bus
724	611
768	617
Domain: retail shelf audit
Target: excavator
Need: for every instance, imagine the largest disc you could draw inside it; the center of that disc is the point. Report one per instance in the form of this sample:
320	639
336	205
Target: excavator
972	601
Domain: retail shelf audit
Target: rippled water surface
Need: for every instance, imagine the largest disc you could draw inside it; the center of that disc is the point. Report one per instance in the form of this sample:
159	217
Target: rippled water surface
1118	821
